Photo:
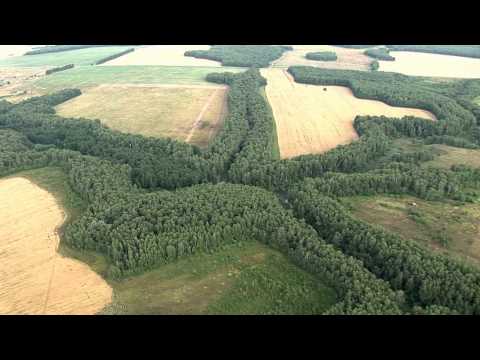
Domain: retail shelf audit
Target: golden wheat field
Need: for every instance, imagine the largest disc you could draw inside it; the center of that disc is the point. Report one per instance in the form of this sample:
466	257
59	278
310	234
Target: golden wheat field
432	65
311	120
348	59
35	279
167	55
190	113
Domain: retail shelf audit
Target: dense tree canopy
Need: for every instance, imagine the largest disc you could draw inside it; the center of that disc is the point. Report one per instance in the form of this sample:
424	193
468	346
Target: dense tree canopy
59	68
322	56
380	54
241	55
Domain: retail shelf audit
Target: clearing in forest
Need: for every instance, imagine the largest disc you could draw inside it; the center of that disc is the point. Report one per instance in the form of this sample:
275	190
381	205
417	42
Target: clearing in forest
347	59
191	113
432	65
444	226
313	120
35	278
167	55
238	279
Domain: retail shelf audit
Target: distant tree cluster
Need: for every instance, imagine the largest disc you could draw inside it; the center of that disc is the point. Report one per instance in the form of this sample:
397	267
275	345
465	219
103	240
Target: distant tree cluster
322	56
59	68
241	55
114	56
380	54
374	65
59	48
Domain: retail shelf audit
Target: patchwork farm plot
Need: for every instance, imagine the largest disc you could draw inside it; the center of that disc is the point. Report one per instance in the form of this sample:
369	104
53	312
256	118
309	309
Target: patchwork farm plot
191	113
154	226
35	278
313	119
432	65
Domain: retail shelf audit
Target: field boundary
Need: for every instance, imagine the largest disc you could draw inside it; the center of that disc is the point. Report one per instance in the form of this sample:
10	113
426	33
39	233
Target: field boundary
198	120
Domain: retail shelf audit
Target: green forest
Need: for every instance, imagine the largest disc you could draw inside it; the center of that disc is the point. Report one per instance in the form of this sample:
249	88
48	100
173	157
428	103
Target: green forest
322	56
153	202
380	54
241	55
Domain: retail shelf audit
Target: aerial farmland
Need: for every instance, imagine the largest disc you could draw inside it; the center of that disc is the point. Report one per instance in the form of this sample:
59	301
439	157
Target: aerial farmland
239	179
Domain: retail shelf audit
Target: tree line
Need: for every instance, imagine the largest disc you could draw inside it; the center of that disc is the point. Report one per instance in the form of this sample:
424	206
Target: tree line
114	56
322	56
380	54
59	68
138	230
425	278
456	50
59	48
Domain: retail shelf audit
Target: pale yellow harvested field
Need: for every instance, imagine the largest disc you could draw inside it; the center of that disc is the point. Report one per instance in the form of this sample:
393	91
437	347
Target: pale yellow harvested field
310	120
167	55
15	81
7	51
190	113
434	65
35	279
348	59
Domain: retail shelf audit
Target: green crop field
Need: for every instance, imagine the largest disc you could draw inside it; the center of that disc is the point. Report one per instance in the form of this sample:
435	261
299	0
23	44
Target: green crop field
95	75
78	57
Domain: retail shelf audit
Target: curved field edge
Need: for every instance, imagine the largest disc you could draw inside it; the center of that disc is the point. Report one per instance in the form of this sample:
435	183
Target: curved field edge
426	125
203	283
38	279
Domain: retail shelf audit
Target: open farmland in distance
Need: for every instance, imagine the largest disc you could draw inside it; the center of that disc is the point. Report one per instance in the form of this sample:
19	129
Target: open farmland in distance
432	65
35	278
83	77
79	57
188	113
351	59
312	120
168	55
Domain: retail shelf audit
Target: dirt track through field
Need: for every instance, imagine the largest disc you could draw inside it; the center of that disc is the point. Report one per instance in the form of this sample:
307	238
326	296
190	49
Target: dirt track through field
190	113
198	120
35	279
312	120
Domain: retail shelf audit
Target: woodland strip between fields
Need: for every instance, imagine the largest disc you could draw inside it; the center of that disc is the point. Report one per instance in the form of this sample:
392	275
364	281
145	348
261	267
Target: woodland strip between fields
237	190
